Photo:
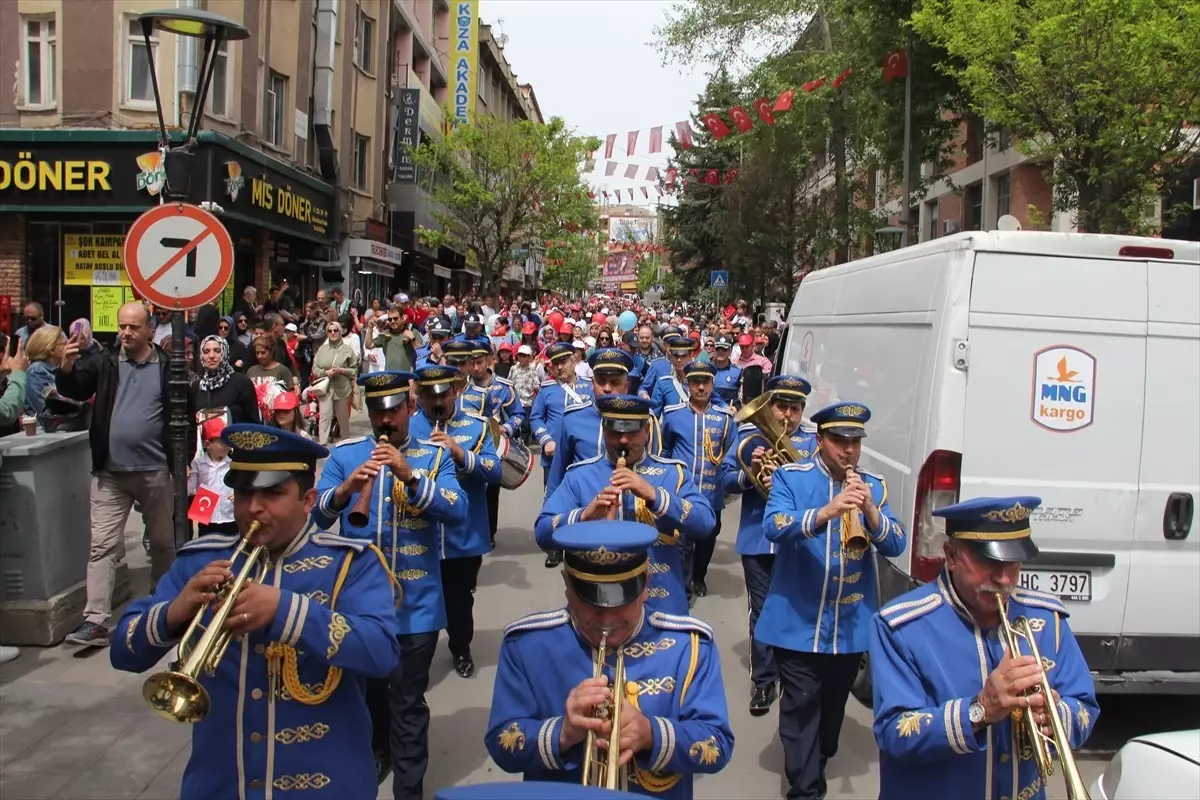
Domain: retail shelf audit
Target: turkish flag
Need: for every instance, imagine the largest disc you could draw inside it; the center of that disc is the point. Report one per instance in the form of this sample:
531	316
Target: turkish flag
631	172
895	65
651	173
716	126
610	168
656	139
841	78
763	106
683	132
731	176
784	101
813	85
203	505
631	144
672	176
608	145
713	176
741	120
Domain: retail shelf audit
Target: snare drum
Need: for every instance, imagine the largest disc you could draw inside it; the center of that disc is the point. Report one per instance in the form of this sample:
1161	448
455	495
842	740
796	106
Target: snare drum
516	461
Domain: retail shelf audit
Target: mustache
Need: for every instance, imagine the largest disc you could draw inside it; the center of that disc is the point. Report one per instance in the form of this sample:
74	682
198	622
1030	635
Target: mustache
991	588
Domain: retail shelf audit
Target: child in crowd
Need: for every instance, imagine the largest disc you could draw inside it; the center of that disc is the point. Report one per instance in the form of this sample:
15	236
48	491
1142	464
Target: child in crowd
208	470
286	414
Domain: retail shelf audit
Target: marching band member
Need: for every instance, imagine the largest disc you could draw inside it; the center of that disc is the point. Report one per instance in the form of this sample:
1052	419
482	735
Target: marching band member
472	330
674	722
564	391
788	397
947	692
648	488
823	515
699	433
669	389
413	488
438	331
501	403
727	376
462	547
289	707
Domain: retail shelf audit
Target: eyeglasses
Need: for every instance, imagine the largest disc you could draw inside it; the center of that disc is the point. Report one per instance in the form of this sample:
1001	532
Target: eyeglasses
31	319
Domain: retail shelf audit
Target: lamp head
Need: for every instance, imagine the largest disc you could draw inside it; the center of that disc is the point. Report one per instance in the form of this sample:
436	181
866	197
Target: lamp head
194	22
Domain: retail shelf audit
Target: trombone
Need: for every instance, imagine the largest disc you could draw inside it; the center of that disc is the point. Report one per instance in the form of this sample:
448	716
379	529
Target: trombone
1012	633
603	769
177	694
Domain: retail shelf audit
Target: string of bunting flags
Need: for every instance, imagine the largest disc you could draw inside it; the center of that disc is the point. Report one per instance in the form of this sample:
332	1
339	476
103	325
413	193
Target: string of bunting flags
895	65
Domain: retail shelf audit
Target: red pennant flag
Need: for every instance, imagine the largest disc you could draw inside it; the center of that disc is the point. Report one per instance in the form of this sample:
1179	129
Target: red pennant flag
605	194
651	173
763	106
694	171
632	143
631	172
672	176
660	191
813	85
713	176
610	169
716	126
203	505
895	65
608	145
784	102
841	78
741	120
731	176
656	139
683	132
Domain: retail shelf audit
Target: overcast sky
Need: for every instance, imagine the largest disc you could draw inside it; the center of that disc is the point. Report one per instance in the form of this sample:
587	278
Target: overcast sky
593	63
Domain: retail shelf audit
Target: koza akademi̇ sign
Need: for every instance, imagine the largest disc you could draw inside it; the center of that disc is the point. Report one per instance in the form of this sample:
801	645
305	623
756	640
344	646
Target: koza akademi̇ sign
465	61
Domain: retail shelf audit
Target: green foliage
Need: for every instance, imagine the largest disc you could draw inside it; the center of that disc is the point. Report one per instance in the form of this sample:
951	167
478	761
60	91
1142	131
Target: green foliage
581	256
497	186
1100	89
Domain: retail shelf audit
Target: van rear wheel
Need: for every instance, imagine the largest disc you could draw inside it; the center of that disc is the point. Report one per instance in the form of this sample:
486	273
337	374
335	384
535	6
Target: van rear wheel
861	689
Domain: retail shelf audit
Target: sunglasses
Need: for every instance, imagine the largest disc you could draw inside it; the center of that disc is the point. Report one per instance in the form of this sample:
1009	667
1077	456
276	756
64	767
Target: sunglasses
222	326
31	319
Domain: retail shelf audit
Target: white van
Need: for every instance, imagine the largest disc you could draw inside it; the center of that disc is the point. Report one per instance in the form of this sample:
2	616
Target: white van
1060	365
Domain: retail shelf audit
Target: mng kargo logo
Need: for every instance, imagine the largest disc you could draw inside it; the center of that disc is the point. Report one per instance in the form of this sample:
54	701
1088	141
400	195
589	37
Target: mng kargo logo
1064	388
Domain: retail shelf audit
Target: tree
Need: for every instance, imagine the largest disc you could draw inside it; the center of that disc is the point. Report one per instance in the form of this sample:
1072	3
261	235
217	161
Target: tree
500	185
572	264
1103	91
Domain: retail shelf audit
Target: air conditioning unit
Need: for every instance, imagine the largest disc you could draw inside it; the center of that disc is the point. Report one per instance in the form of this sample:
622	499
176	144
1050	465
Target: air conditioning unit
949	226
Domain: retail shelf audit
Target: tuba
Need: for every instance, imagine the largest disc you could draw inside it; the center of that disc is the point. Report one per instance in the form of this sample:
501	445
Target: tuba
177	694
1013	633
780	450
602	768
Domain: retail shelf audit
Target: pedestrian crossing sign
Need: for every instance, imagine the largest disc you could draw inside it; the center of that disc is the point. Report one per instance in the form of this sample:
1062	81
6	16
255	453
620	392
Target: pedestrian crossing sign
720	279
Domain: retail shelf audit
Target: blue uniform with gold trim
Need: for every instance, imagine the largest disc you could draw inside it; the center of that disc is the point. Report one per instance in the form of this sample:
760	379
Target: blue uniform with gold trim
580	439
669	391
928	662
821	599
700	440
671	659
482	468
751	541
679	511
258	739
501	402
552	401
407	533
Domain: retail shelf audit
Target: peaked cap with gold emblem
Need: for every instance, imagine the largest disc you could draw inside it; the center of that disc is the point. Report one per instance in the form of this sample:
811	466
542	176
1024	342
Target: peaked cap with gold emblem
789	389
610	359
384	390
623	413
436	378
847	419
997	527
607	561
263	457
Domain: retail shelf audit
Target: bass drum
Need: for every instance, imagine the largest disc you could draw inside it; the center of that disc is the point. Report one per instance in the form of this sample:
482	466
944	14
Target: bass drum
516	461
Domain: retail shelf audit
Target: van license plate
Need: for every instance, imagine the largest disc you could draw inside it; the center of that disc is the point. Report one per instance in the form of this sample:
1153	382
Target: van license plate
1067	585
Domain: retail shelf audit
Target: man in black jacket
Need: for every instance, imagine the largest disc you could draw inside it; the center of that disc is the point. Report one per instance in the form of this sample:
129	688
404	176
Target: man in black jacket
131	456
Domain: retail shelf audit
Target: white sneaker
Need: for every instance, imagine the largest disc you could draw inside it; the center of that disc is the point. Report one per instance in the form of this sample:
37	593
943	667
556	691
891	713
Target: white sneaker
8	653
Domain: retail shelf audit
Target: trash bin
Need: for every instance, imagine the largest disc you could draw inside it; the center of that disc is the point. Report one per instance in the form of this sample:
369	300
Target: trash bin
45	536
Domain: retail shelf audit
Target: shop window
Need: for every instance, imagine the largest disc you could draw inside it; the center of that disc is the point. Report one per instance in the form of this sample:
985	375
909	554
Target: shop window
218	92
1003	194
364	42
139	89
362	162
974	203
275	109
932	211
38	68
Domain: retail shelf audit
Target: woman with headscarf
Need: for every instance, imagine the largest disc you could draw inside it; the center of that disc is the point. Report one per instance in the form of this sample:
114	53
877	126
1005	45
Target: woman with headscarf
240	356
221	387
337	361
81	329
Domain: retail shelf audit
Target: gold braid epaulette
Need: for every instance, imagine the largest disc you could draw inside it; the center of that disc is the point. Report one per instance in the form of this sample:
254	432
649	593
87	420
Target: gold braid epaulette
658	782
281	658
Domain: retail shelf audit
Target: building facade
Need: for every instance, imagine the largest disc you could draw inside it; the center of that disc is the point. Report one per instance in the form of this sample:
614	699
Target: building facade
299	143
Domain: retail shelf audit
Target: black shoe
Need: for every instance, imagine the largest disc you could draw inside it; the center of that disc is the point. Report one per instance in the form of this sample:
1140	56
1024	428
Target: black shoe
700	589
764	696
554	558
464	666
383	767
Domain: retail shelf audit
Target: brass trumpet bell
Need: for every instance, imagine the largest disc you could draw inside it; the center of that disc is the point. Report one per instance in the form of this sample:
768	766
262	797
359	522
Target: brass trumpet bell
779	446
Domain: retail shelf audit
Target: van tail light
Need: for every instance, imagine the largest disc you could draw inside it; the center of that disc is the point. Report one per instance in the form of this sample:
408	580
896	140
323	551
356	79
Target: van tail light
937	487
1143	251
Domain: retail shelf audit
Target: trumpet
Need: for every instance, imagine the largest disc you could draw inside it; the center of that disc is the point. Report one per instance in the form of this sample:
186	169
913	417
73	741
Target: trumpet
1012	634
614	511
603	769
177	694
780	450
855	541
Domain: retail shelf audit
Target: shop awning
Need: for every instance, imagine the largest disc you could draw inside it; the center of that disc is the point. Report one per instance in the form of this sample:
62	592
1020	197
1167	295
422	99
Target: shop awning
369	266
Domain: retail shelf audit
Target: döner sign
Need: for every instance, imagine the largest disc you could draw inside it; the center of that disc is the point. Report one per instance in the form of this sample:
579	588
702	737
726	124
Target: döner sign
27	175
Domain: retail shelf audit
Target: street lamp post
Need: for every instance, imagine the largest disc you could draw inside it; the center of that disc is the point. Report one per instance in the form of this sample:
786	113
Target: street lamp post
214	30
